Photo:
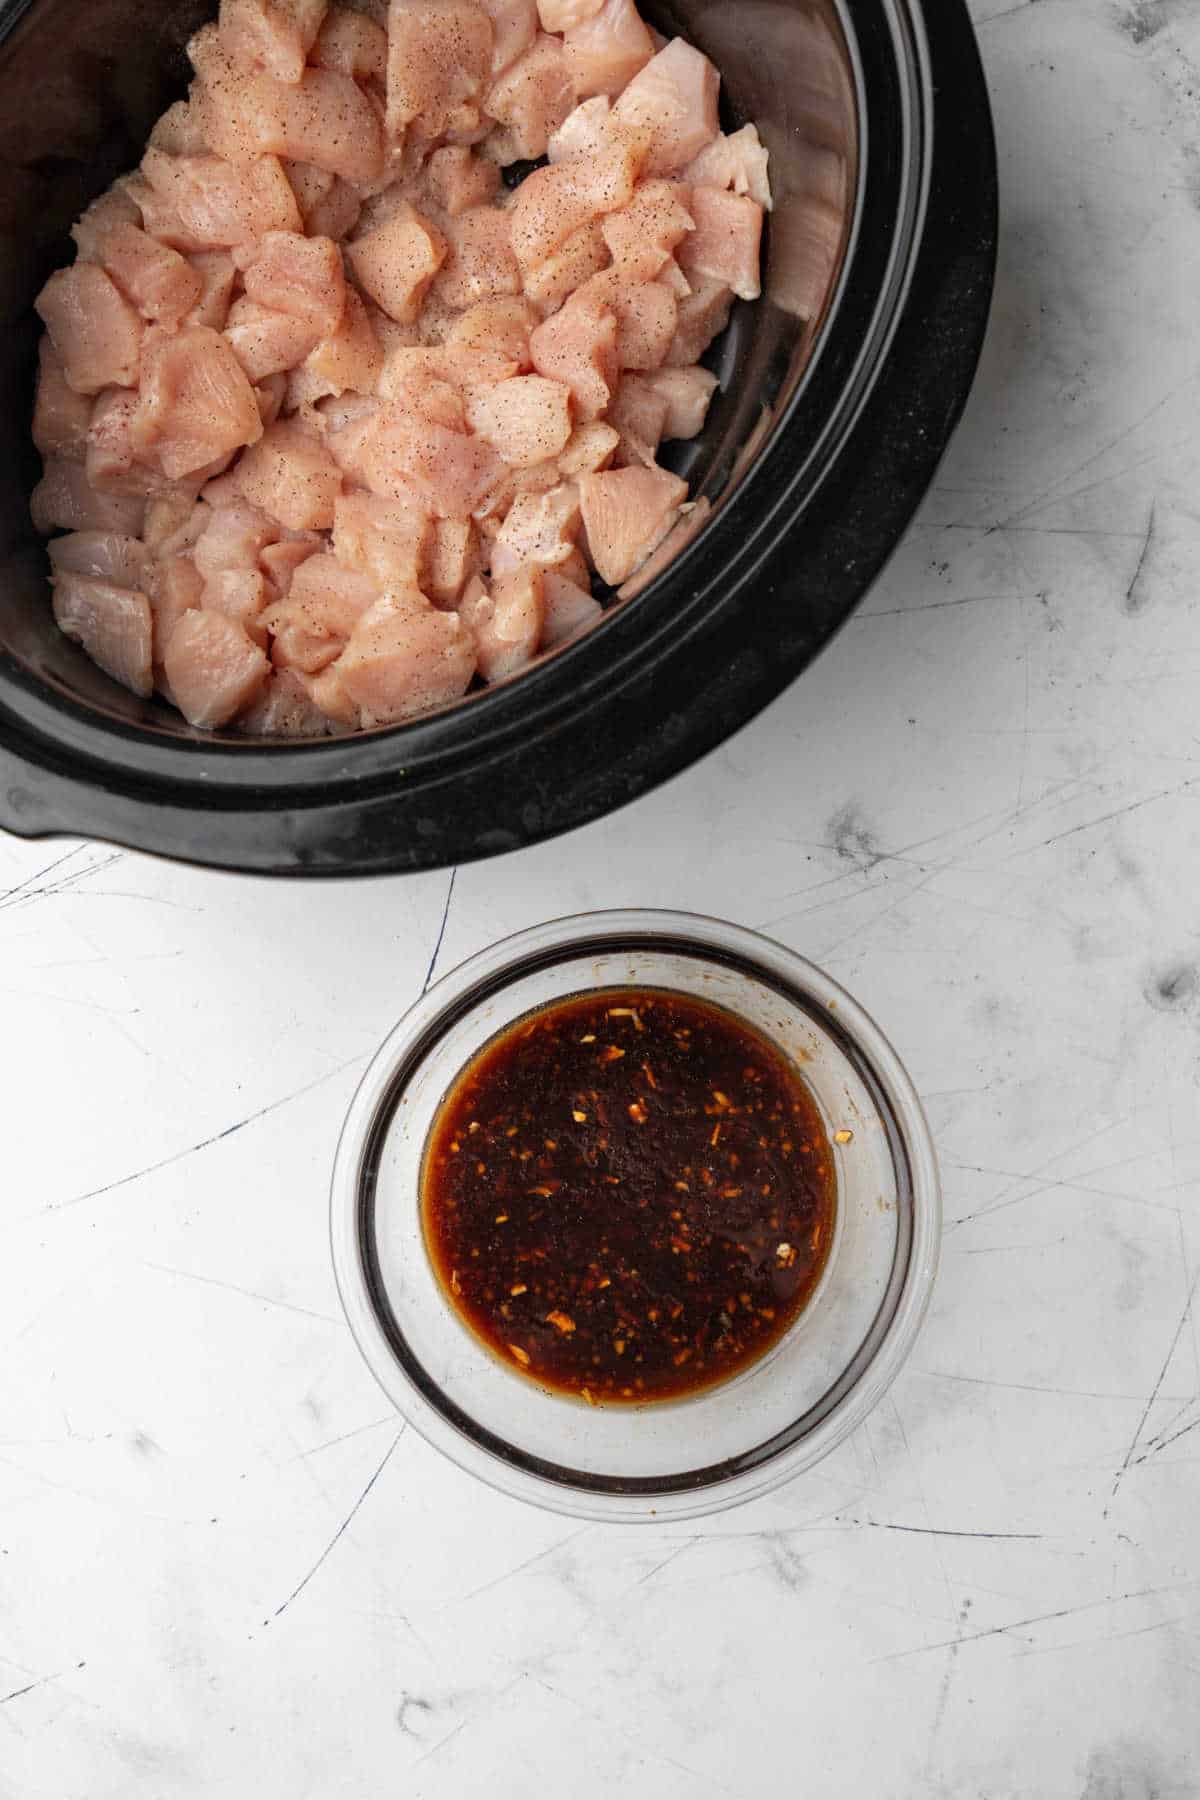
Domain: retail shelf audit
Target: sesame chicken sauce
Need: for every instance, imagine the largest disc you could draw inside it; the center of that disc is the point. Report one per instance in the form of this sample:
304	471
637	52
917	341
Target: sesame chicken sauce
629	1196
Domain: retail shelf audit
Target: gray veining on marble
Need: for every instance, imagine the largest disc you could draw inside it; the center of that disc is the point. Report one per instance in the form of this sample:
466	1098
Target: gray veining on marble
224	1569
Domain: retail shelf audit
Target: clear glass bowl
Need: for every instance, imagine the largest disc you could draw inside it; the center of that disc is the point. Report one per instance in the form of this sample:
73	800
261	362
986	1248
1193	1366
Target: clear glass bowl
728	1444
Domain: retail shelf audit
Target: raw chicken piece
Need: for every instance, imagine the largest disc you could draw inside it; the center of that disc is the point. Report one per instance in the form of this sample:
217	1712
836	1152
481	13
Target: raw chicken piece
738	162
527	419
216	272
271	395
180	131
439	61
404	658
352	44
94	330
540	529
583	132
458	180
411	377
349	427
578	347
113	624
726	245
675	98
531	100
112	208
102	555
351	357
688	394
177	587
309	184
63	499
330	698
453	559
173	524
480	264
451	474
423	396
240	595
217	206
275	35
583	255
555	202
703	316
647	315
158	281
566	15
514	27
234	537
283	708
112	460
301	276
396	263
640	415
389	542
196	404
325	118
291	477
644	235
502	327
506	622
60	416
267	342
329	206
591	447
673	545
311	627
606	51
279	563
568	608
626	515
212	668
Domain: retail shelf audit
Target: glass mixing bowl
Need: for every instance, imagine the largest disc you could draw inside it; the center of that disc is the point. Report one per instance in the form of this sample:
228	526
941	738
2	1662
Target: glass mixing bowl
727	1444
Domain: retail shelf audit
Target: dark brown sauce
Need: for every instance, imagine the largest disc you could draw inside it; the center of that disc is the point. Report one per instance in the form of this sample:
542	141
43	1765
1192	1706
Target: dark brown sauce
629	1196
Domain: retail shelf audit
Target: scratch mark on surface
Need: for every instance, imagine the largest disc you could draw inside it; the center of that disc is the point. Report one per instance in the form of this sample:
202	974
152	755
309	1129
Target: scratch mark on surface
1033	1537
1154	1393
679	1550
1065	1612
231	1287
441	1744
342	1528
358	1431
1134	605
529	1563
218	1137
437	948
24	895
39	875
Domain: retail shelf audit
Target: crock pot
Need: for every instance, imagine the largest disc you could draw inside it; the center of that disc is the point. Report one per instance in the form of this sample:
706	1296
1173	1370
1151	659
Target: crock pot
840	390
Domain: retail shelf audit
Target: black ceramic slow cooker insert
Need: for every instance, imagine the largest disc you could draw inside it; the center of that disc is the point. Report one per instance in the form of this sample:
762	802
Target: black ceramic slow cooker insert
840	389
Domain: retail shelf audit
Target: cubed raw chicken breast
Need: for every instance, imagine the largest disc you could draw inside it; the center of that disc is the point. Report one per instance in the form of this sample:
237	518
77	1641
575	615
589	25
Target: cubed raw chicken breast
235	537
299	275
568	610
583	255
583	132
540	530
102	556
275	35
266	342
352	44
325	118
176	587
396	263
527	419
173	523
589	448
351	358
63	499
566	15
626	515
216	273
555	202
312	626
688	394
450	473
95	332
279	563
606	51
640	415
506	621
726	245
212	668
195	404
675	99
405	658
514	27
113	624
578	347
329	206
647	315
644	235
180	131
156	279
738	163
439	61
676	541
703	316
112	463
389	542
240	595
457	180
60	416
291	477
217	206
452	560
531	100
479	264
502	327
283	708
112	208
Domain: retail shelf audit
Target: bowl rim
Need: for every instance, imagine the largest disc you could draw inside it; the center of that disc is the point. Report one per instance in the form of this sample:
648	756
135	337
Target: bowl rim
471	1446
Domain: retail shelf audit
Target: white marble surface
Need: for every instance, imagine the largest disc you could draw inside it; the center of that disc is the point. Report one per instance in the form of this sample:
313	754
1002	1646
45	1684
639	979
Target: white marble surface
982	812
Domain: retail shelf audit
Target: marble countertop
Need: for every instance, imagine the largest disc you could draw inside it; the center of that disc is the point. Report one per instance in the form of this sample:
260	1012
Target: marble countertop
223	1567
